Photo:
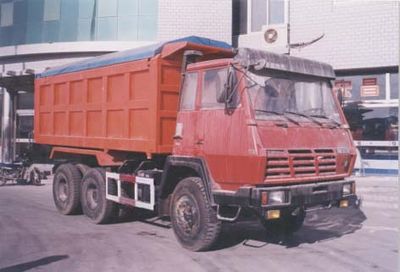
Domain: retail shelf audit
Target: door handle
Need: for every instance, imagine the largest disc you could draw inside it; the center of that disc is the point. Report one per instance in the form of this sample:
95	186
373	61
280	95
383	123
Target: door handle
200	141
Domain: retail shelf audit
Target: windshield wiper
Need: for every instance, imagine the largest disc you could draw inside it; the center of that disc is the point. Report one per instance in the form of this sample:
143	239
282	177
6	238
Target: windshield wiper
327	118
280	114
306	116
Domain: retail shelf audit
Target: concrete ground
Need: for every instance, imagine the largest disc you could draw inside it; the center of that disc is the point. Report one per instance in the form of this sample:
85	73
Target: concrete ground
34	237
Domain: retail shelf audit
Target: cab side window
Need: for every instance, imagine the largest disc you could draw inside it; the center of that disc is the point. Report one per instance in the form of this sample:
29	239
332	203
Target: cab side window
213	94
213	89
188	93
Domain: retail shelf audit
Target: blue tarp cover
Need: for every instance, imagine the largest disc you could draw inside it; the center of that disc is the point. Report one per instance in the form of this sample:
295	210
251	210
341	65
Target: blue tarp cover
127	55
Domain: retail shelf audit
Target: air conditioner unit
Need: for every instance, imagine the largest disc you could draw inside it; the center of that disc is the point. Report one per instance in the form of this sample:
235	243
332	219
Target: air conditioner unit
273	38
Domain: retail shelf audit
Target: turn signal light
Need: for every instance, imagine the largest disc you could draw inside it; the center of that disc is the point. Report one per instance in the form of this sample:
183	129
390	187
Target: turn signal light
264	198
344	204
273	214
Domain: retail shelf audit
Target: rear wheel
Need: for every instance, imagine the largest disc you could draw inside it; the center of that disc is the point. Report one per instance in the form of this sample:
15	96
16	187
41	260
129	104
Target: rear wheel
34	177
3	179
66	189
93	197
83	168
194	221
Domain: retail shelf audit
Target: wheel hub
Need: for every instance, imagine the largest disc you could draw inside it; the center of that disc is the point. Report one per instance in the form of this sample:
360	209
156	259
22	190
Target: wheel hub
187	214
63	191
92	196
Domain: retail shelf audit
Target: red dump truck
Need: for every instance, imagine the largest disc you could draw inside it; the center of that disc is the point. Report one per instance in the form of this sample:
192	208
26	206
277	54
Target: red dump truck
196	132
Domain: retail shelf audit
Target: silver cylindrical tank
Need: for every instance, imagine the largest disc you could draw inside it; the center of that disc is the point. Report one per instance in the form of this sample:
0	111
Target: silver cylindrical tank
8	128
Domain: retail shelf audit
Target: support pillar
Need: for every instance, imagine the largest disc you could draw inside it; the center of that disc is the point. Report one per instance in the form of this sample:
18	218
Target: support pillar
8	128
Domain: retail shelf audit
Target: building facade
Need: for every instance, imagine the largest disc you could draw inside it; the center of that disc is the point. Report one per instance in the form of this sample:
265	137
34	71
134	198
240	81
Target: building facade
360	39
38	34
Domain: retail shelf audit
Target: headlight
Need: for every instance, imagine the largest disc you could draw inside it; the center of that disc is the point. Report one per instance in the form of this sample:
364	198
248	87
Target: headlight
347	189
346	164
276	197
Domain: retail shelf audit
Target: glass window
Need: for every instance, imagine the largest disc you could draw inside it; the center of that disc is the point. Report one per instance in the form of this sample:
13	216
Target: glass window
189	88
302	98
127	28
34	33
275	9
86	29
106	8
19	33
213	89
6	35
394	86
128	7
87	8
35	11
148	7
20	12
51	10
24	127
276	12
6	14
69	20
25	101
51	30
147	28
106	28
258	14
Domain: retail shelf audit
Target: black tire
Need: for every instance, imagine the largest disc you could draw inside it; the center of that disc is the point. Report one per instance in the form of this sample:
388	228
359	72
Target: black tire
194	221
34	177
287	224
3	179
66	189
93	198
83	168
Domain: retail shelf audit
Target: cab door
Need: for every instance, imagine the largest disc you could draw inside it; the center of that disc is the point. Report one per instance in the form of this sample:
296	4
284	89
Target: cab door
187	119
214	123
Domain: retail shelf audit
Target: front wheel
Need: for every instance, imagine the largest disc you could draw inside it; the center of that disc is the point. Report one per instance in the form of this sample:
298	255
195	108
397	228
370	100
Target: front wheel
194	221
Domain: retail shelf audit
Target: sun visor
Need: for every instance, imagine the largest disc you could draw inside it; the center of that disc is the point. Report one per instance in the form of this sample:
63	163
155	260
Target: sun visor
261	60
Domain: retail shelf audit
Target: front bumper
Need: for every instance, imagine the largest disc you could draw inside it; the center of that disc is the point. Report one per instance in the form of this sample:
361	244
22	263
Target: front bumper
306	196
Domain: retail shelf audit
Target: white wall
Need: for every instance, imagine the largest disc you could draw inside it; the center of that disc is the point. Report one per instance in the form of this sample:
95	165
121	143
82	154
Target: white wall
358	34
207	18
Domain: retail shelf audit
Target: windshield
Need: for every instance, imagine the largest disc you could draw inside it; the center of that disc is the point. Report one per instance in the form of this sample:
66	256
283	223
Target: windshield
305	100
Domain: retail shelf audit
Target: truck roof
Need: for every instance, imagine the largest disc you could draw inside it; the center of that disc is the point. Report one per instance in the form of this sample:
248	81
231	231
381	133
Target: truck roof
130	55
262	60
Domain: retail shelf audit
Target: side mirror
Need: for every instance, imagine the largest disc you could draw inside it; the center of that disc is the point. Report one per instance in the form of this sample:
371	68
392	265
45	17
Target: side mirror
340	96
227	96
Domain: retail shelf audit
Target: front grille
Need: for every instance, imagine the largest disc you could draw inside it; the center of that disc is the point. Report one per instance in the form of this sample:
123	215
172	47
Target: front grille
300	163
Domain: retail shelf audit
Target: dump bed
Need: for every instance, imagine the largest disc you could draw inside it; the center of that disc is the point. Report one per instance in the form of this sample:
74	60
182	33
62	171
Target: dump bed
123	101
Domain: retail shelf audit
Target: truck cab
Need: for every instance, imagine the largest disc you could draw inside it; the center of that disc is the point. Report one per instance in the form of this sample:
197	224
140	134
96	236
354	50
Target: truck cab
271	134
